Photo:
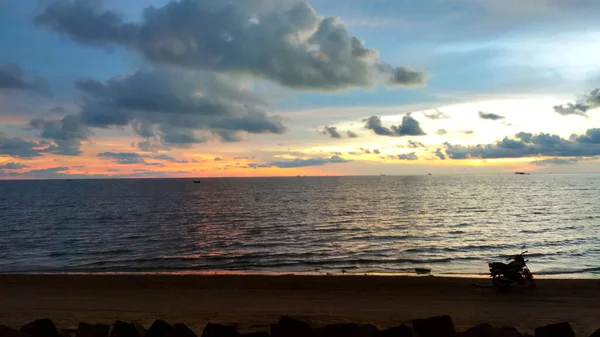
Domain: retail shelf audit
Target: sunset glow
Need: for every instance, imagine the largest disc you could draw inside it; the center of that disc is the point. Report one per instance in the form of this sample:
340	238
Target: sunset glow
95	106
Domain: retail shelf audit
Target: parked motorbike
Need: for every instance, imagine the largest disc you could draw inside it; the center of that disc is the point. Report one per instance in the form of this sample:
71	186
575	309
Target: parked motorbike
516	272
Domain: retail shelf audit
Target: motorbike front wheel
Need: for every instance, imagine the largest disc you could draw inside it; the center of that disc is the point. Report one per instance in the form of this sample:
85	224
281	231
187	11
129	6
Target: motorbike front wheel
530	278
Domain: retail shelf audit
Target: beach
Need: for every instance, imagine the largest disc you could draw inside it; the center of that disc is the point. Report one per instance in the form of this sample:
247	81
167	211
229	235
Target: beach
252	302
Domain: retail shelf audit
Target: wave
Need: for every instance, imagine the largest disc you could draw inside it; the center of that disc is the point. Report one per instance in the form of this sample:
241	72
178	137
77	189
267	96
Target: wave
456	232
593	270
93	253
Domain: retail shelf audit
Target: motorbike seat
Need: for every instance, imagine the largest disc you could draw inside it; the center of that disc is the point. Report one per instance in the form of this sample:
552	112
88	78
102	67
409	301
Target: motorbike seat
498	265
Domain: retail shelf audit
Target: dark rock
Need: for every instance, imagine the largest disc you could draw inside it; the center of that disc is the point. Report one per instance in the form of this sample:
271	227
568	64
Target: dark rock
40	328
555	330
65	333
9	332
486	330
480	330
596	333
89	330
122	329
141	331
346	330
290	327
181	330
255	334
505	331
438	326
159	328
397	331
218	330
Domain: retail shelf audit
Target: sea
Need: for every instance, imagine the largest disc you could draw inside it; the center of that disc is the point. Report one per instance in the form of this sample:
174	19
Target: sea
450	224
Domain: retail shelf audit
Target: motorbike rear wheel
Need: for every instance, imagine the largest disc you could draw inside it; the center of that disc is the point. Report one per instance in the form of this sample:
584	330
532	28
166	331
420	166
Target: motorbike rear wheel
501	286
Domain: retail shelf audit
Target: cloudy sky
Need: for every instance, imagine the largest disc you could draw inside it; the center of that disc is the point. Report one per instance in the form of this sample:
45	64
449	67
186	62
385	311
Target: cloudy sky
192	88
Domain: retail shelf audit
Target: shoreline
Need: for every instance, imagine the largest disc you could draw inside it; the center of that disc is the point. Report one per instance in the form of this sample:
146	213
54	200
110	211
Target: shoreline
252	302
551	276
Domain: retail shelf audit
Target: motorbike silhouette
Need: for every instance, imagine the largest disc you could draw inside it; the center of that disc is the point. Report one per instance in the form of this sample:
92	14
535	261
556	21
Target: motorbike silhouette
515	272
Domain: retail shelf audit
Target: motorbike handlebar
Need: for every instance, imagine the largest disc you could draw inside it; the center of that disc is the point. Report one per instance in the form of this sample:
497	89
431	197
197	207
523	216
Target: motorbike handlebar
522	253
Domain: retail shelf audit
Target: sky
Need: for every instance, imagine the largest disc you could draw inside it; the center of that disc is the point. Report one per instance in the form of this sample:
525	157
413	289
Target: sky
240	88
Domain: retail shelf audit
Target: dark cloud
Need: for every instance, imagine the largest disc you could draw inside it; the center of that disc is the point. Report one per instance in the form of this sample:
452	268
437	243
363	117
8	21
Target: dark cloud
414	145
408	127
437	115
283	41
228	136
124	158
83	22
149	145
406	77
490	116
556	161
303	162
592	136
66	134
19	148
179	136
155	164
143	128
440	154
581	106
366	151
253	122
408	156
12	76
59	109
12	166
218	159
49	173
127	158
331	131
374	123
165	157
531	145
351	134
441	132
171	104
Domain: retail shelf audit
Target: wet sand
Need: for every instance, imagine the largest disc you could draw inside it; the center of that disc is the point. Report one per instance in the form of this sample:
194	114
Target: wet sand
253	302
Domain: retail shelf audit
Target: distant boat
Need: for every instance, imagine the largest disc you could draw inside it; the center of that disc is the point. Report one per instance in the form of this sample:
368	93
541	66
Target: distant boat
383	175
428	174
196	181
523	173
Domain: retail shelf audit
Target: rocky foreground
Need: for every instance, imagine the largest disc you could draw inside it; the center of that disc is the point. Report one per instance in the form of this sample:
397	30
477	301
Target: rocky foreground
439	326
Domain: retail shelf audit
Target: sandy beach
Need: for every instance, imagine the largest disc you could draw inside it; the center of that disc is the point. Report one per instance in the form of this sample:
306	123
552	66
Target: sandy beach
253	302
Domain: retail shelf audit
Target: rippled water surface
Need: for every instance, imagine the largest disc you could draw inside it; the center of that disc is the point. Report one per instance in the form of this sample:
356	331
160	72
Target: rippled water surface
451	224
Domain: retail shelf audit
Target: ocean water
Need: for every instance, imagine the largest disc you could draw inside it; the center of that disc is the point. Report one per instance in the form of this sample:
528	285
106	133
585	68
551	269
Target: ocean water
383	224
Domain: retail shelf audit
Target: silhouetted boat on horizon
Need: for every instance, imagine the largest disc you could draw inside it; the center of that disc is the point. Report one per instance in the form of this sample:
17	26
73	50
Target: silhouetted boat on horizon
196	181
